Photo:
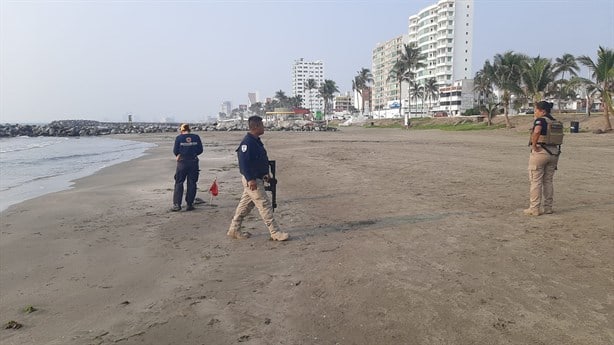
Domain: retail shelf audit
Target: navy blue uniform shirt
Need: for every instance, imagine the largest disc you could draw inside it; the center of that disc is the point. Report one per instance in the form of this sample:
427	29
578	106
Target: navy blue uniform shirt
253	160
188	146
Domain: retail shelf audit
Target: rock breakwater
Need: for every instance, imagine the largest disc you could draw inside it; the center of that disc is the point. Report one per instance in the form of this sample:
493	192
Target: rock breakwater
80	128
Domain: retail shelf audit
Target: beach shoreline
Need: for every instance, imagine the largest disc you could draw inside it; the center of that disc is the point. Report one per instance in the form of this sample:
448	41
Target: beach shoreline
397	237
35	166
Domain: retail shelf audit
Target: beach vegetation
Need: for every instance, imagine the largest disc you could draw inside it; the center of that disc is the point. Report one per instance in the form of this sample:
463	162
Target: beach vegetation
517	81
564	64
29	309
431	91
409	60
13	325
327	90
505	73
362	84
455	127
311	84
602	80
416	91
538	77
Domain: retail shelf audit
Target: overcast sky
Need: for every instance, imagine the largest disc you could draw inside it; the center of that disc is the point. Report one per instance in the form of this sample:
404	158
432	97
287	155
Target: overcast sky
102	60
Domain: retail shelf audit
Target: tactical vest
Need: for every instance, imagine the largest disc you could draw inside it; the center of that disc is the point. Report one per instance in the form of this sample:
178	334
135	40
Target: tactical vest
554	133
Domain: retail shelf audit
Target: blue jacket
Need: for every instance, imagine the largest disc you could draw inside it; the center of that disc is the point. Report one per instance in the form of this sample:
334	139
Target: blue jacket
253	160
188	146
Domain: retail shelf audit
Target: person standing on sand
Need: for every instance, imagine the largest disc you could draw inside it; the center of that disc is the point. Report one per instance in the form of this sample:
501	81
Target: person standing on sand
254	168
542	162
187	148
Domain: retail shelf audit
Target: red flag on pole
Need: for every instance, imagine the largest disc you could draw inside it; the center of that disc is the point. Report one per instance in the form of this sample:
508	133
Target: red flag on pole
213	189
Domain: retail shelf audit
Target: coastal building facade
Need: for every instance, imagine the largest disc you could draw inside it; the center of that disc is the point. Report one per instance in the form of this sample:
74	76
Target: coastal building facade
343	103
384	89
444	34
302	71
455	99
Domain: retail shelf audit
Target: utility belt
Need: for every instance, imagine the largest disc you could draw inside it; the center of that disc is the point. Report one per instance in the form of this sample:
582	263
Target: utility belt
549	147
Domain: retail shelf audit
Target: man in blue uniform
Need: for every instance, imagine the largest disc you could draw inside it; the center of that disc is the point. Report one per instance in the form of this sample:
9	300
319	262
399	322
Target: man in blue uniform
187	148
254	168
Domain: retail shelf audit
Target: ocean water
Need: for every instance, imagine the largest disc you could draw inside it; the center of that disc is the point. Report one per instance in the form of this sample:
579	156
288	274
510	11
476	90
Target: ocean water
34	166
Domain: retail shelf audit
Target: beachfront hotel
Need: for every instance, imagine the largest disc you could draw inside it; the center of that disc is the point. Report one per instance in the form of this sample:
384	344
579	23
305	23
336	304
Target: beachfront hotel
444	34
302	71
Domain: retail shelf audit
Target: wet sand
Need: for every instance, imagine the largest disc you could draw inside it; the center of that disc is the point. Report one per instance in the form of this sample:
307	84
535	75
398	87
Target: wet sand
398	237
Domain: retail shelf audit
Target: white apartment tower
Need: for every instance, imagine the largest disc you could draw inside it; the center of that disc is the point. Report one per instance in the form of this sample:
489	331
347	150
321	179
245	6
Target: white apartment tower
444	34
302	71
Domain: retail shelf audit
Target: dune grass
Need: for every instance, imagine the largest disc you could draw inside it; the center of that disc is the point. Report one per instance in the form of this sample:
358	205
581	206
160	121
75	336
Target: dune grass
428	123
458	127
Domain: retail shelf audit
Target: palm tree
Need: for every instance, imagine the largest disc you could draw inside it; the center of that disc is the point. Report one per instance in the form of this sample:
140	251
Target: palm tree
505	73
538	76
311	84
482	84
295	101
270	105
361	83
603	73
491	110
256	108
399	74
413	60
566	63
282	98
431	90
416	91
410	59
327	91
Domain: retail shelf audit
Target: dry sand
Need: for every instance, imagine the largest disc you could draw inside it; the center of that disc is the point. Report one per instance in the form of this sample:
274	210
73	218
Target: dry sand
398	237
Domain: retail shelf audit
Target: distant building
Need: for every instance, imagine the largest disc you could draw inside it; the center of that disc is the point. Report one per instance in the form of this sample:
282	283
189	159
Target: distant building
456	98
302	71
343	103
252	97
226	107
243	107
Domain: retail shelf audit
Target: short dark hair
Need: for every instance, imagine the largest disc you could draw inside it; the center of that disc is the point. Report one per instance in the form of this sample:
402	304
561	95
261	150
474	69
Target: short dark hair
545	106
254	121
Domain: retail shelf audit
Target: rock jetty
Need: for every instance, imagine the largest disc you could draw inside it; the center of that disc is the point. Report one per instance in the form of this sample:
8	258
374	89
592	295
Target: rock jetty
81	128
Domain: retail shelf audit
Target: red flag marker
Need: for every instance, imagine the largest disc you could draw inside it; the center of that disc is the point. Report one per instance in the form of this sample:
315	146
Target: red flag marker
213	189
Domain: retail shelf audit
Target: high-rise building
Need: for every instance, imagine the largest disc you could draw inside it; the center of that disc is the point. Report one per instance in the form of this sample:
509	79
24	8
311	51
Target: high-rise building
252	97
226	108
384	88
302	71
444	34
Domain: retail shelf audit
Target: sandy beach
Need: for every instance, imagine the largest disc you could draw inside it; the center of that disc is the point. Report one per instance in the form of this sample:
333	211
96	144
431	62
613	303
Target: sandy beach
397	237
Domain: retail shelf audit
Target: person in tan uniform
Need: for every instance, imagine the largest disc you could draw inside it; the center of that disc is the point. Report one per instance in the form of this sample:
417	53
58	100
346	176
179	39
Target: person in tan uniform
254	168
542	163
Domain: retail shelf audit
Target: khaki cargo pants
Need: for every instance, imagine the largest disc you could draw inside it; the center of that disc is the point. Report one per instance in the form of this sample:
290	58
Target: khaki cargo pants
541	172
249	199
